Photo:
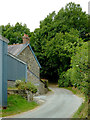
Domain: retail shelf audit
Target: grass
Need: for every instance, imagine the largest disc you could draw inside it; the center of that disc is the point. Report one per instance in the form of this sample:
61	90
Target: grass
12	88
17	104
82	111
0	112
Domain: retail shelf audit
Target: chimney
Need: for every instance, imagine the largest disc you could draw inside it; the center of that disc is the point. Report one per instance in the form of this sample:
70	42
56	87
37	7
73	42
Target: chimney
26	39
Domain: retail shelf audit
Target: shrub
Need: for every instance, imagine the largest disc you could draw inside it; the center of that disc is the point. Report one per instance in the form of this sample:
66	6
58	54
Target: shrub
61	79
65	79
31	87
27	86
22	86
79	63
78	74
17	83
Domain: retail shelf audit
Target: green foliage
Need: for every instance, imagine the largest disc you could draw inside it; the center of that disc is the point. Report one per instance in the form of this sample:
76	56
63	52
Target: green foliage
17	83
55	41
14	33
61	48
22	86
31	87
79	64
77	75
65	79
27	86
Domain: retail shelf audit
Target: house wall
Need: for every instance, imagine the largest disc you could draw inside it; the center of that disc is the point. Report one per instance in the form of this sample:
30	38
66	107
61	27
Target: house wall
33	73
32	78
32	65
36	81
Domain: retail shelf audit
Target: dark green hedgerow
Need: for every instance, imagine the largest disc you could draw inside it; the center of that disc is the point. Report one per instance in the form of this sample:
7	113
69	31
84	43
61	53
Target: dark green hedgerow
77	75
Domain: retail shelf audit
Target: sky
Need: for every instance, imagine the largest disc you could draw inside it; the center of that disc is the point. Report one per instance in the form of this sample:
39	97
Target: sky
31	12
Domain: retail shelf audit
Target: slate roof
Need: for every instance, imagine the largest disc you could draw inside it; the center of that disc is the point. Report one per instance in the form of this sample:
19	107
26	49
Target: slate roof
15	49
4	39
18	48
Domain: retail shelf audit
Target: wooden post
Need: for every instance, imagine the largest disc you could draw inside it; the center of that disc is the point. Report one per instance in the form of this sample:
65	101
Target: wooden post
3	72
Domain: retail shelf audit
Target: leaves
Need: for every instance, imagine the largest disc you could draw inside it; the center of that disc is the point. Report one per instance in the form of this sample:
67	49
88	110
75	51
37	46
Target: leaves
77	75
15	33
59	37
55	41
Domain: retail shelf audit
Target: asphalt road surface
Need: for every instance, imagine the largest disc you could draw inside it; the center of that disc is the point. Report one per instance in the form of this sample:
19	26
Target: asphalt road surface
61	103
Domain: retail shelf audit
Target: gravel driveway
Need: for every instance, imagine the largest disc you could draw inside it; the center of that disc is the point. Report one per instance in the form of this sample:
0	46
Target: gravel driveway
61	103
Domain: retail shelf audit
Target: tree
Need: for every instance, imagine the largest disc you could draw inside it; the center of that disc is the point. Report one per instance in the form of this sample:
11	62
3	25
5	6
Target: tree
55	41
77	75
61	48
15	33
72	17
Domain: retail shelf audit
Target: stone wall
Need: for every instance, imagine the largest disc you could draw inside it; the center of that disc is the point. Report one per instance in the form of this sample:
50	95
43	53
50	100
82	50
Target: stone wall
42	89
32	78
27	56
11	83
40	86
24	93
33	73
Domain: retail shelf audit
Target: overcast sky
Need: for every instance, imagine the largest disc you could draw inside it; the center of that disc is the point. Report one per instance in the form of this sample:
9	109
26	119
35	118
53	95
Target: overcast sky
31	12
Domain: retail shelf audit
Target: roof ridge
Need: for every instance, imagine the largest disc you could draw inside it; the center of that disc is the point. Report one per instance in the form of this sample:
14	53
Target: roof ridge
16	44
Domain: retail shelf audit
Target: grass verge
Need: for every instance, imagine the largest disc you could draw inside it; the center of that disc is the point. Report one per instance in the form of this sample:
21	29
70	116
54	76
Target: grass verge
12	88
0	112
17	104
82	111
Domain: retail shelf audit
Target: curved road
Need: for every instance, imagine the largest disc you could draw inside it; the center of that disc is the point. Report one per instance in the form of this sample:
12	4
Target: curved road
61	103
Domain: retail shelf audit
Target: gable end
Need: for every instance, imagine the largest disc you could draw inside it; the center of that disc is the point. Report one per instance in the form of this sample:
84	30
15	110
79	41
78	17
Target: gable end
32	53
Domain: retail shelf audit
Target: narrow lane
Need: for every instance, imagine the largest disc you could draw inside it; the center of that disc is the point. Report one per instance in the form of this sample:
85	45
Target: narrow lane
61	104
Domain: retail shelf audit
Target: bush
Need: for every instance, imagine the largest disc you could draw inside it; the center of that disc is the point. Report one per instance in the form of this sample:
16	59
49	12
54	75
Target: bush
79	63
61	80
64	79
22	86
17	83
27	86
31	87
78	74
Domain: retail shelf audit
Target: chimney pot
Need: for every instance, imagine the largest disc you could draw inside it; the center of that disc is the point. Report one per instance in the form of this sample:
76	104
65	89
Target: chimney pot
26	39
26	35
